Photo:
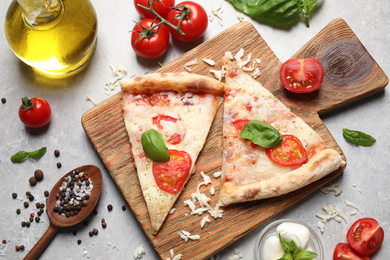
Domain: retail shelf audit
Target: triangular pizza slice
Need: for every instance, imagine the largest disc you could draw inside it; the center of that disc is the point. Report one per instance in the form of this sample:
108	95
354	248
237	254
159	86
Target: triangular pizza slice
181	107
253	172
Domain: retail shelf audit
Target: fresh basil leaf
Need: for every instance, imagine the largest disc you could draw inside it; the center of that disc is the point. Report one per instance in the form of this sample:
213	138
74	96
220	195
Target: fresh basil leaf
286	256
35	155
19	156
305	255
154	146
358	138
277	11
261	134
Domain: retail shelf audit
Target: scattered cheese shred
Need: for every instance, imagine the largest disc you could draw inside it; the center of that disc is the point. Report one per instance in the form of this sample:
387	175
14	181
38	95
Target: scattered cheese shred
204	220
353	205
139	252
240	17
89	98
217	174
185	235
172	211
216	12
237	255
190	63
118	73
177	257
209	62
332	187
332	212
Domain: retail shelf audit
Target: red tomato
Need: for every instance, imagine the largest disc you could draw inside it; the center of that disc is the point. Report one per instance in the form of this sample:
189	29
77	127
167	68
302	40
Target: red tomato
343	251
173	139
240	123
193	25
160	6
290	153
302	75
172	175
365	236
35	112
149	42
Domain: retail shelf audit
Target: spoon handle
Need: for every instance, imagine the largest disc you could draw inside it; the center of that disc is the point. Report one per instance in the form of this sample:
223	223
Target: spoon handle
42	243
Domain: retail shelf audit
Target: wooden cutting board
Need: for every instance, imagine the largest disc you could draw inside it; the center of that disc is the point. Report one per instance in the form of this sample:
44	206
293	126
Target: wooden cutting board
350	74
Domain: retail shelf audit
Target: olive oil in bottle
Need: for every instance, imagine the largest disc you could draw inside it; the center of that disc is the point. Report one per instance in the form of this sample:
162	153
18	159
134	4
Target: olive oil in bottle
56	41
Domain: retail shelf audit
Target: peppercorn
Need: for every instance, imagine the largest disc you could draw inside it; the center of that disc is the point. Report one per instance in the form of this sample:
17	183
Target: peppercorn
79	242
123	207
95	231
38	205
4	241
74	232
46	193
38	174
90	233
56	153
37	219
31	219
3	100
22	247
14	195
18	211
104	224
27	224
17	248
109	207
33	181
31	198
23	223
28	193
59	165
26	204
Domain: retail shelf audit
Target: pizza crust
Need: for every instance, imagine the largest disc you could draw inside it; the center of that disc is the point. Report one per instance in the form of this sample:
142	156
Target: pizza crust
321	164
181	82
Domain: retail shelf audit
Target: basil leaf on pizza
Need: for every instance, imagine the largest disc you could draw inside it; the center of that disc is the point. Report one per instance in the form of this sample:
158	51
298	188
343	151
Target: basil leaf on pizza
154	146
261	134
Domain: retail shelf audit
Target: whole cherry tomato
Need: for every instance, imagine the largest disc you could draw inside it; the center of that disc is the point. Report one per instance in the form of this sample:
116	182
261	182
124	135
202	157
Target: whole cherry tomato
35	112
344	251
160	6
302	75
365	236
171	176
149	39
290	153
194	23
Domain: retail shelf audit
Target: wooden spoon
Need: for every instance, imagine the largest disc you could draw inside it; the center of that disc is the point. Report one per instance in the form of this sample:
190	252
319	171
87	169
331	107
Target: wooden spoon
57	221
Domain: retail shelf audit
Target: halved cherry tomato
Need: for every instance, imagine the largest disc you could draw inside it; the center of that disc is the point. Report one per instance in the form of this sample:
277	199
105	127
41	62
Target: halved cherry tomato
174	138
290	153
172	175
35	112
149	41
365	236
302	75
160	6
344	251
194	23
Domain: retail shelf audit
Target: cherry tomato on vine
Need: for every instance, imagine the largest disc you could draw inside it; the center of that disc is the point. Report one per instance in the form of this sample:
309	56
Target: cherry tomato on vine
344	251
35	112
302	75
365	236
148	39
172	175
194	23
290	153
160	6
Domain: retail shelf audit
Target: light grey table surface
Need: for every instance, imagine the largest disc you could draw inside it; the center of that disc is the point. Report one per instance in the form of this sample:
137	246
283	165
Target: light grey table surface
365	181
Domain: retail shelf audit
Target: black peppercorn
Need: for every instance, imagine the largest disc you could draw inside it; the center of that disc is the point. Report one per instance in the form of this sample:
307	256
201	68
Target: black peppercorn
3	100
22	247
28	193
104	224
109	207
23	224
14	195
79	242
46	193
123	207
33	181
18	211
90	233
38	174
31	219
31	198
37	219
27	224
26	204
95	231
56	153
59	165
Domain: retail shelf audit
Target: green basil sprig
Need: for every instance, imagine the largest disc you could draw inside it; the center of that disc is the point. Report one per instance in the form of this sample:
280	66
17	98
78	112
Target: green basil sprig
276	11
292	252
154	146
22	155
261	134
358	138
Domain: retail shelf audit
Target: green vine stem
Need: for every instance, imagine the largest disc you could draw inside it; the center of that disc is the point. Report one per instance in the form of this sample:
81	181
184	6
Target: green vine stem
184	14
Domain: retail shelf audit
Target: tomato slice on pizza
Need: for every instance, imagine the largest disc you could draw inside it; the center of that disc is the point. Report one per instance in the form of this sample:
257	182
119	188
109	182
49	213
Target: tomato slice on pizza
252	172
181	107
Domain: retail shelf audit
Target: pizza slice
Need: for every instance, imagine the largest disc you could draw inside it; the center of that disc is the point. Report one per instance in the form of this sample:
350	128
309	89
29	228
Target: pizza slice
251	171
181	107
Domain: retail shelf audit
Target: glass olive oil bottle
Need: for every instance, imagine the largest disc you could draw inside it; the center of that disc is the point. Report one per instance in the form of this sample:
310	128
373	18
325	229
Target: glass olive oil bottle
56	37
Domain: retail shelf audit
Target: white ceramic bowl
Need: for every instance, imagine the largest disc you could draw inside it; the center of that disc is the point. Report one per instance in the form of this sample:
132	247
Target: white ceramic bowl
270	230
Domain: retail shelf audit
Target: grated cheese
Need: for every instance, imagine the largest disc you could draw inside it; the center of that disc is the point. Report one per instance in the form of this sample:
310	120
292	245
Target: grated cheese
332	187
209	62
217	174
204	221
190	63
118	73
185	235
139	252
240	17
172	211
216	12
212	191
332	212
353	205
89	98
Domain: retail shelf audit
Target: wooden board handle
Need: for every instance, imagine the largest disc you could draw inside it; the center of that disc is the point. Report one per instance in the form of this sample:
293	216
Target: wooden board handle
42	243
